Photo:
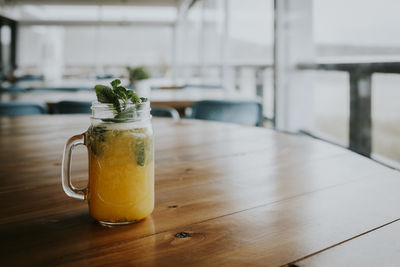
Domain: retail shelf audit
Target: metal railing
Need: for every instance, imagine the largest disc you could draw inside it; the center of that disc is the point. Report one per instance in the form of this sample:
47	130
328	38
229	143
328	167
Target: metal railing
360	79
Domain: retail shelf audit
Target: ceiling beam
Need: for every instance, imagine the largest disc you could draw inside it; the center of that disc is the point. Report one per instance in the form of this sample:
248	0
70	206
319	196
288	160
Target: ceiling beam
94	2
94	23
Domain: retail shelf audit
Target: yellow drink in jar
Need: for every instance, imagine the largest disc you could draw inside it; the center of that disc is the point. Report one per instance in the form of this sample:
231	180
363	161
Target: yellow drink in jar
121	174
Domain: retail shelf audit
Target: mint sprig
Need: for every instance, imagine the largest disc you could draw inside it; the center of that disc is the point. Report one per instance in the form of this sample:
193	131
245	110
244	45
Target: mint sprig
118	95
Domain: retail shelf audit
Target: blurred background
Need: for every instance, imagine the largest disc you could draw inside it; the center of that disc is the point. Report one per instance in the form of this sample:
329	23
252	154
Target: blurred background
325	68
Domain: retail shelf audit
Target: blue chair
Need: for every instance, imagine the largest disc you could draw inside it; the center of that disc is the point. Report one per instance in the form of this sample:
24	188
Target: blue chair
72	107
240	112
13	89
31	77
104	76
17	108
60	89
166	112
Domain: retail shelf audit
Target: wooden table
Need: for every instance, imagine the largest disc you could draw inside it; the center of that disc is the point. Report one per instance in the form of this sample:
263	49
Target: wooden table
225	195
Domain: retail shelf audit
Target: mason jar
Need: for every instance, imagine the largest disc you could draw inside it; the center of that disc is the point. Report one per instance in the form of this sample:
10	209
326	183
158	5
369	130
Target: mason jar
121	164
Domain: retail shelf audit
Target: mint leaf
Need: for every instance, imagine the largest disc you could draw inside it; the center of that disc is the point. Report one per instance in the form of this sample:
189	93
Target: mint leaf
115	83
134	97
121	92
95	136
119	96
140	151
124	114
129	93
117	105
143	148
104	94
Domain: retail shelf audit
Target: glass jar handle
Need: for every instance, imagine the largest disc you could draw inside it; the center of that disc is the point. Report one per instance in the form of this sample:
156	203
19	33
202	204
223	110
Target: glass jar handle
69	189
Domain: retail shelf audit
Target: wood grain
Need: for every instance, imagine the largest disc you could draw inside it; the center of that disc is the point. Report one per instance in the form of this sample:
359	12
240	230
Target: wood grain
246	195
377	248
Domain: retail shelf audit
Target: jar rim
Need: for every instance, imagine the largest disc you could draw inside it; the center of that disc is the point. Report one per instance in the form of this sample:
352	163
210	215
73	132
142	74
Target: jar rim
130	112
141	106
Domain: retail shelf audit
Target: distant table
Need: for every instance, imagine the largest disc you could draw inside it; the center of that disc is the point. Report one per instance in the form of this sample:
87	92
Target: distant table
226	195
178	98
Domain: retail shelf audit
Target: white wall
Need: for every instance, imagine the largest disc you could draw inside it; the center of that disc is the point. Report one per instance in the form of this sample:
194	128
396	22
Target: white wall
92	46
113	45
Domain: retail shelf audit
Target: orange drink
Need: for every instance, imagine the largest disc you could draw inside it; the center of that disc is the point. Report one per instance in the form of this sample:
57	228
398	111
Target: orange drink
121	162
121	174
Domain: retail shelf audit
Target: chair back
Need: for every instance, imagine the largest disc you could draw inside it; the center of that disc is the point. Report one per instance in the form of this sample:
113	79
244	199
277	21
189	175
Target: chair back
240	112
31	77
73	107
166	112
17	108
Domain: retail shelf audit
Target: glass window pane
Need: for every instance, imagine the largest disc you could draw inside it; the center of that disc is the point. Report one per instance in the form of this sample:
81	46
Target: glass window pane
386	115
367	31
331	105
